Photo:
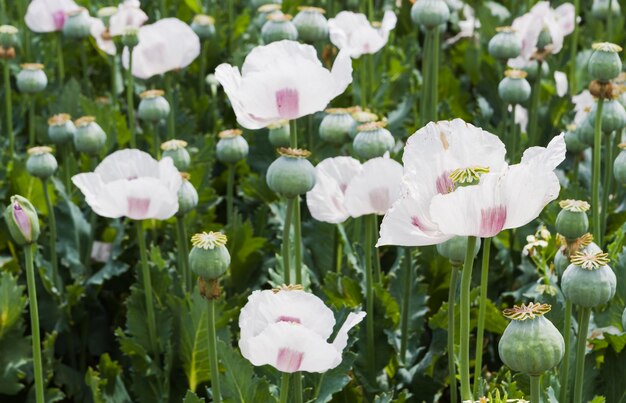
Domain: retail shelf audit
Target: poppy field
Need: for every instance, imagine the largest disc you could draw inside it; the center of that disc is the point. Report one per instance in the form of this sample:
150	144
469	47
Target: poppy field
338	201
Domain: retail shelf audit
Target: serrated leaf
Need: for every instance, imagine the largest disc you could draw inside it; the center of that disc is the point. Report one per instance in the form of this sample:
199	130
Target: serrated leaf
336	379
238	380
191	397
194	343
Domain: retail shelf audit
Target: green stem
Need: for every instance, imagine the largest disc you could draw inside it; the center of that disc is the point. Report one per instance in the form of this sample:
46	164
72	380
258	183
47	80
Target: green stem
583	327
378	276
426	79
293	133
147	288
434	86
466	282
83	61
595	183
297	387
573	85
215	371
61	64
564	370
169	94
202	73
535	387
53	235
454	276
338	251
162	8
369	294
286	231
609	22
482	310
608	179
9	107
183	252
533	113
370	79
113	60
31	121
156	141
363	79
297	229
230	185
129	99
284	387
34	322
406	304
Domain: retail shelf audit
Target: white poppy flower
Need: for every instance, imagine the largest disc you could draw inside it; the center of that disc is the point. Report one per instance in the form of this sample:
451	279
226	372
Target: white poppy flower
353	33
582	105
431	155
521	117
128	15
282	81
326	201
48	15
501	201
289	328
467	26
102	36
168	44
560	80
130	183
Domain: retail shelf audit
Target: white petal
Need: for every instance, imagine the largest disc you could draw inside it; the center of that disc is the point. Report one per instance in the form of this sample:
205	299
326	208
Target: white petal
341	340
230	79
549	157
48	15
127	164
560	80
389	21
169	175
353	33
97	30
128	15
375	188
566	14
521	117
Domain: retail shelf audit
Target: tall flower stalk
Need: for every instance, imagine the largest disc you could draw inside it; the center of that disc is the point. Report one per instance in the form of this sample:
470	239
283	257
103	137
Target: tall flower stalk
595	181
573	82
454	278
368	244
466	282
147	289
482	311
406	303
130	39
8	41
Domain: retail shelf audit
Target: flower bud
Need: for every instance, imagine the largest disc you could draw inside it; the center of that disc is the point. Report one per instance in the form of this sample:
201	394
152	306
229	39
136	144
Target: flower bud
105	14
61	129
279	133
203	26
89	137
264	11
130	37
8	36
372	140
78	24
291	174
505	44
573	142
41	163
600	9
231	147
454	249
209	259
430	13
153	107
613	116
311	24
604	63
31	79
177	151
22	221
619	165
187	196
278	27
337	125
588	281
572	221
530	344
514	88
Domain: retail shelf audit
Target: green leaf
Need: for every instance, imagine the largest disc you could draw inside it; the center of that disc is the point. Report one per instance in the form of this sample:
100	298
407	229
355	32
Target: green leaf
194	343
191	397
238	380
106	384
336	379
15	349
12	303
194	5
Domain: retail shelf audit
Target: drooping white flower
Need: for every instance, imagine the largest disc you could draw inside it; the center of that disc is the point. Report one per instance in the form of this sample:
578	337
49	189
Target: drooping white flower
582	105
168	44
102	36
48	15
467	26
289	330
128	15
353	33
130	183
560	80
282	81
431	156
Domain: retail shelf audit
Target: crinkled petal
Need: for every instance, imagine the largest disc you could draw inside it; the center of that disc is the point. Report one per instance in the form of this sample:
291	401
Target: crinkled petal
375	188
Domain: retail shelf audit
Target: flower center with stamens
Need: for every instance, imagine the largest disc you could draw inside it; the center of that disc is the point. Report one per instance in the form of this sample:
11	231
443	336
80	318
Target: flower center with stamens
578	206
468	176
208	240
530	311
590	260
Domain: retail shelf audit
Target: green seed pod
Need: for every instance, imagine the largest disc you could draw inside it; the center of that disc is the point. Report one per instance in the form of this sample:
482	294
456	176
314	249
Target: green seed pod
619	166
573	142
8	36
514	88
78	24
203	26
311	24
337	125
153	107
61	129
561	261
454	249
600	9
624	320
532	68
430	13
277	28
209	259
130	37
261	4
361	117
279	133
585	245
291	174
505	44
31	79
22	221
264	11
586	130
572	221
187	196
231	147
89	137
530	344
41	163
105	14
604	63
372	140
613	116
544	39
588	281
177	151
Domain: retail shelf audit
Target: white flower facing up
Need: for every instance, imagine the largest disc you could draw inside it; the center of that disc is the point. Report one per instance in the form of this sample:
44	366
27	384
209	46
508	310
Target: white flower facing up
282	81
582	105
48	15
558	22
289	329
168	44
353	33
130	183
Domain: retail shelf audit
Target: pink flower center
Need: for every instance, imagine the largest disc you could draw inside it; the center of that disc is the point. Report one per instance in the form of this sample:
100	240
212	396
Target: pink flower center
289	360
288	103
138	207
289	319
492	221
22	220
59	19
444	184
379	199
